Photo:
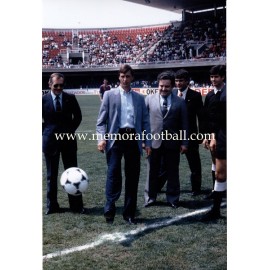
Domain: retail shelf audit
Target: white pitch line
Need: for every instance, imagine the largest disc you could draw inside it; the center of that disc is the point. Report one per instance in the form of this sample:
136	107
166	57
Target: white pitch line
120	237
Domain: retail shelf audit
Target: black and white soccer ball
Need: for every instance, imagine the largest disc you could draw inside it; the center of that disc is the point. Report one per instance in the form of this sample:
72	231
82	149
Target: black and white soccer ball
74	181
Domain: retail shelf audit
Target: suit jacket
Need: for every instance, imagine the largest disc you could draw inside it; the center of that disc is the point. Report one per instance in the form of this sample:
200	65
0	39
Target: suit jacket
214	107
109	117
175	121
66	121
194	104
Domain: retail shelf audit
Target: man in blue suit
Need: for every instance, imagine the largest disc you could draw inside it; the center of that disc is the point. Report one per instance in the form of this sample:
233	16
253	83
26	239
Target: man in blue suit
169	127
60	114
122	126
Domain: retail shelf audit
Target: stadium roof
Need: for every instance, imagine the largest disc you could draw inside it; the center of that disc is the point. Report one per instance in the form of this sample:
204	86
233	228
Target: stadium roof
178	5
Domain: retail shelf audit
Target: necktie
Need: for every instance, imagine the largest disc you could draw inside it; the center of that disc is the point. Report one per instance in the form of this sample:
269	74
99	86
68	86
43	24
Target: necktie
180	94
218	93
164	107
58	107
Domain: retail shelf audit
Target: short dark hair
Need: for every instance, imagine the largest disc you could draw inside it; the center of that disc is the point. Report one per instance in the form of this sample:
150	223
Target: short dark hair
126	68
167	75
218	70
57	75
182	74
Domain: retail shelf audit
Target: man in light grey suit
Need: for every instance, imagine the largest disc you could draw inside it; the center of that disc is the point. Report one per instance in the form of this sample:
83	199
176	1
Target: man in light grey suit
169	128
122	120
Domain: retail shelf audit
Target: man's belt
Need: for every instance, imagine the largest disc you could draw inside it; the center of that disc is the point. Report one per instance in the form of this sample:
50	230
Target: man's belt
126	130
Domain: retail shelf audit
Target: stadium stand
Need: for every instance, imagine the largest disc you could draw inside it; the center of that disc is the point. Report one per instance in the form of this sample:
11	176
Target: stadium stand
88	55
100	47
198	38
201	38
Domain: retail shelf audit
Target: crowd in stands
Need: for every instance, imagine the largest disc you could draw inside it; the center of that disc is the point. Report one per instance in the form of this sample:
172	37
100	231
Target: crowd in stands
191	40
114	47
154	84
205	35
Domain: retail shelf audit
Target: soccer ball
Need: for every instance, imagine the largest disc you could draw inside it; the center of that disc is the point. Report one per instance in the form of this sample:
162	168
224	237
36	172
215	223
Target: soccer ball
74	181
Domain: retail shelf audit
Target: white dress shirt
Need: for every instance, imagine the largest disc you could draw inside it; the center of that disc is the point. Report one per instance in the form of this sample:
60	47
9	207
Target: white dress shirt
127	109
54	99
169	101
184	93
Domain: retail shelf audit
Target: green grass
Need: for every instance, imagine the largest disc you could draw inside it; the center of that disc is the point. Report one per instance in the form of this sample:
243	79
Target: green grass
185	244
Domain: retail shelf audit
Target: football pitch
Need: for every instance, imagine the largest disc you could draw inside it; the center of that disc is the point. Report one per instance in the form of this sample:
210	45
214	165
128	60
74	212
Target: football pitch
164	238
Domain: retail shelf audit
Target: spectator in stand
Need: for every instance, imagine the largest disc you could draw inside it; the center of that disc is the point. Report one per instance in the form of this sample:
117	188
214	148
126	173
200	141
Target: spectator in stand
104	87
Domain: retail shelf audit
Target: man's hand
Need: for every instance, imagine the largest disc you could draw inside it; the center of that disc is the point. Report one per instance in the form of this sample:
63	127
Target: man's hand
205	144
148	151
183	149
101	146
213	144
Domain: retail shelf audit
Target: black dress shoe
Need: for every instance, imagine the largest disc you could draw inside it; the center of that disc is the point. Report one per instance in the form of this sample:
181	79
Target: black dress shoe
211	215
53	210
78	210
49	211
174	204
195	193
109	216
83	211
130	220
210	196
150	203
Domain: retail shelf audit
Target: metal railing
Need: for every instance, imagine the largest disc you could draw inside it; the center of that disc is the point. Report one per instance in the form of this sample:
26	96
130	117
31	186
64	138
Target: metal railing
142	65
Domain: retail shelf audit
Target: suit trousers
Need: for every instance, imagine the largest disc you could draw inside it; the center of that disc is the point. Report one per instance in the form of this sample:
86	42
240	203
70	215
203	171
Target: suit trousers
69	159
194	162
128	149
170	159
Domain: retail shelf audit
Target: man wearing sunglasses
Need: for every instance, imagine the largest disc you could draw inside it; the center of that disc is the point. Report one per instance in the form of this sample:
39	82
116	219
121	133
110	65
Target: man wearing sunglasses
61	114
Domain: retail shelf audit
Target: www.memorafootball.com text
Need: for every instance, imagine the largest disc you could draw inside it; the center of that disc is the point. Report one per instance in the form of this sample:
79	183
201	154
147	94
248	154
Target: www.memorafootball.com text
165	135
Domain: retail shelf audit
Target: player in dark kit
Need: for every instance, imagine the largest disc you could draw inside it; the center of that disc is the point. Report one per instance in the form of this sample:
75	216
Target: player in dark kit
103	88
215	105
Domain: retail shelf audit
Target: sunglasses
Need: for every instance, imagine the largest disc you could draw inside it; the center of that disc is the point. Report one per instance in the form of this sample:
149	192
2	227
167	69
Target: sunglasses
58	85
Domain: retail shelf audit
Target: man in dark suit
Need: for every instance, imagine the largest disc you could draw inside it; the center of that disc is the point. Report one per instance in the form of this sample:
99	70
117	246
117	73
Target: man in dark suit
61	114
194	104
122	119
169	128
